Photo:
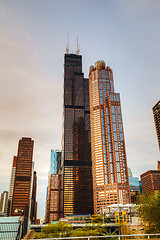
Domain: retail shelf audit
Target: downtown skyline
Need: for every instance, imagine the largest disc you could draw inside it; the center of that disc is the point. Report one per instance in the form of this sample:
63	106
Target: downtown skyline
33	43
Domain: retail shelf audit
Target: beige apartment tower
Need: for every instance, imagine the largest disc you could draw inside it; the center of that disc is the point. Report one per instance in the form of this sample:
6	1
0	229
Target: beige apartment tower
109	164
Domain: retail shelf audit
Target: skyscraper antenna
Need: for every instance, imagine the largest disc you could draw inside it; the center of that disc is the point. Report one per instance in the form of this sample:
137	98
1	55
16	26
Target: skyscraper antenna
77	52
67	48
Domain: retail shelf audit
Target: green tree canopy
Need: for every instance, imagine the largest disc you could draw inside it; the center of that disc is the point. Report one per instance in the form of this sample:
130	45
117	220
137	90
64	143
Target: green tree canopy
60	229
96	219
80	232
149	212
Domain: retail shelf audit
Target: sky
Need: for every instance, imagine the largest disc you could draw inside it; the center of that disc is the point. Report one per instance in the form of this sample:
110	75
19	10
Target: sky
125	34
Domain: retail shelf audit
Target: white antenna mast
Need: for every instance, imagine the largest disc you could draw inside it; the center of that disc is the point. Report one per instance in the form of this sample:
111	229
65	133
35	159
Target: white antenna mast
77	52
67	48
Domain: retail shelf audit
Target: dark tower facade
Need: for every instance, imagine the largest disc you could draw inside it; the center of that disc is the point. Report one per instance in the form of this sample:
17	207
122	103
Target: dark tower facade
76	145
156	114
23	175
33	211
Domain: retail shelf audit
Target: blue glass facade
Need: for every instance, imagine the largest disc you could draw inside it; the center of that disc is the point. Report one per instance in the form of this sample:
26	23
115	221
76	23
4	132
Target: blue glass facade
134	184
134	181
55	163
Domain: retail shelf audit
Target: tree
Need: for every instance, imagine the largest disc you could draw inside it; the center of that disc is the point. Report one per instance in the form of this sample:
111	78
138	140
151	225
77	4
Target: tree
81	232
98	228
149	212
60	229
96	219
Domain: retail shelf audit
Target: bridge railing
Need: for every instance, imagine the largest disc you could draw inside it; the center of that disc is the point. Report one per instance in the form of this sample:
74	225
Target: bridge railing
129	236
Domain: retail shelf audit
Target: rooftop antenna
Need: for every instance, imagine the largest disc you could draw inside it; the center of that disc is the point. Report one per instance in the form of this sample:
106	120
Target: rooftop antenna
77	52
67	48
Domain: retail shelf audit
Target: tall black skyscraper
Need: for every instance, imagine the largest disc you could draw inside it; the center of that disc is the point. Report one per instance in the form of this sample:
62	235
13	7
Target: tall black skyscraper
76	145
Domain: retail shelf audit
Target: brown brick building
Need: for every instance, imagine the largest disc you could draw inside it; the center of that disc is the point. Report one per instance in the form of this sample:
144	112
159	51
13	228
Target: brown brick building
54	198
22	184
150	181
55	206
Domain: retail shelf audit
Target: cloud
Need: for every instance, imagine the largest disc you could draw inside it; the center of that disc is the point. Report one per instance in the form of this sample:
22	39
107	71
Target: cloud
30	105
141	145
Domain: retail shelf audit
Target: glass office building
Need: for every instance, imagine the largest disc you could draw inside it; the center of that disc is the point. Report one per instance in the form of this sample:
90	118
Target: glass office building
134	183
76	145
110	173
55	164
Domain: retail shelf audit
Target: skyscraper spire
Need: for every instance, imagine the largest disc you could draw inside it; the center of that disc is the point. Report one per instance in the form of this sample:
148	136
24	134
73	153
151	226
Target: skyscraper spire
77	52
67	48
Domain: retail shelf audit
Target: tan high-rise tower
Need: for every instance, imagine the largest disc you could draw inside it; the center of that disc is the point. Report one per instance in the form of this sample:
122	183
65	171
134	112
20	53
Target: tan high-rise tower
109	164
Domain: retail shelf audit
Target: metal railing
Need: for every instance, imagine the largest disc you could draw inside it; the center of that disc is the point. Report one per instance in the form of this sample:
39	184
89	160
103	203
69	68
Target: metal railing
10	230
109	236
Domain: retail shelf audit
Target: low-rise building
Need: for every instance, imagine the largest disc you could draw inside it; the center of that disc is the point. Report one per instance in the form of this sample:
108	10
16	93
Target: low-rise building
150	181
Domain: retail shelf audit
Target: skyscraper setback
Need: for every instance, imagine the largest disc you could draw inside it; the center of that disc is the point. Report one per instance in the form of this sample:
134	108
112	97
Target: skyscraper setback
23	175
110	173
76	146
156	114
